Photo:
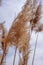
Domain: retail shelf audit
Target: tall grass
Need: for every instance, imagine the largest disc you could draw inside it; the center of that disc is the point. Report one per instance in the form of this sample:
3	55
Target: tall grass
19	33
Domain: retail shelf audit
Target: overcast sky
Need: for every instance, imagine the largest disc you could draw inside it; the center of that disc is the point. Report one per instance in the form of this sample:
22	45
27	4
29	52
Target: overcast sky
8	11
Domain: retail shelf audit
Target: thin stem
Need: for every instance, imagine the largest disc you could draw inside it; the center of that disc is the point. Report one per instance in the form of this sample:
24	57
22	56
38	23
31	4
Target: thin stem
34	50
4	56
14	56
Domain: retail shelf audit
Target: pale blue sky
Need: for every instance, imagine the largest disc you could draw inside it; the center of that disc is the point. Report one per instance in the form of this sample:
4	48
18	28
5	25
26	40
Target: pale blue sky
9	10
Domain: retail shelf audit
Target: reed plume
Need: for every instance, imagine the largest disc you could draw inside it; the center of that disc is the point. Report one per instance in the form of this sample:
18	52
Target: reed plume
35	22
19	33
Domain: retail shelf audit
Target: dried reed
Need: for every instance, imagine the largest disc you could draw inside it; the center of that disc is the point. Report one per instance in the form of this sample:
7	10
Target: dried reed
19	33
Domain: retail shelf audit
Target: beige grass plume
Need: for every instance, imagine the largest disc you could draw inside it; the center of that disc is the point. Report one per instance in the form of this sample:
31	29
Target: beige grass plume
19	33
